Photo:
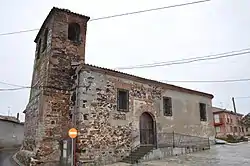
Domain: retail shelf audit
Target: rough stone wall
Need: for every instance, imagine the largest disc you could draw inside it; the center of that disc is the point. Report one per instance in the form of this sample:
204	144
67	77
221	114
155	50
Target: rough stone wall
57	103
106	135
98	138
48	114
34	108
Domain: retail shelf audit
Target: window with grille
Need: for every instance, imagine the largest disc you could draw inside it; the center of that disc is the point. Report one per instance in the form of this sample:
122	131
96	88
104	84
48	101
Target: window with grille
203	113
123	100
167	106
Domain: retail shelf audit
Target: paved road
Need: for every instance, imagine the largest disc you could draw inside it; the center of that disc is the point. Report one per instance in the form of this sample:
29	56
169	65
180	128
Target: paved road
219	155
5	157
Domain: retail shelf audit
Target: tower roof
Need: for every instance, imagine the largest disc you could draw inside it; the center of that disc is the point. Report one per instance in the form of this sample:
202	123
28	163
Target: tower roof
53	11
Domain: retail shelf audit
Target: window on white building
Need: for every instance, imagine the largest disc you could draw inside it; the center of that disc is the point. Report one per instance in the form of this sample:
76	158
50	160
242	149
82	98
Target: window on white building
217	129
216	119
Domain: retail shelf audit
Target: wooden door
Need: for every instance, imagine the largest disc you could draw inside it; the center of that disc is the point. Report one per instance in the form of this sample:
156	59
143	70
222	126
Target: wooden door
147	129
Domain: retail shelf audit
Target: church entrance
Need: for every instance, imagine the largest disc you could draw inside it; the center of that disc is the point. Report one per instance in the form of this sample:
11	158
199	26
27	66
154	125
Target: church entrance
147	129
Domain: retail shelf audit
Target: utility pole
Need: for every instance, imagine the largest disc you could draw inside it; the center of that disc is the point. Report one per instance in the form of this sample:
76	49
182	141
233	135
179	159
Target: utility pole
234	105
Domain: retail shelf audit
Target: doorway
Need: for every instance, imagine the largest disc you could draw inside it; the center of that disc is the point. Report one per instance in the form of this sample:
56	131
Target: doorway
147	129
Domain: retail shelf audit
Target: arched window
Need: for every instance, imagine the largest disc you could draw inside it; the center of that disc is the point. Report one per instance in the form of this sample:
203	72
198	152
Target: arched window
74	32
45	38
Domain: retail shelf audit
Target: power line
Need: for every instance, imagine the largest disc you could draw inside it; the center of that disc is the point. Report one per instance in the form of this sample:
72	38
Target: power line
35	87
23	31
149	10
215	81
177	81
117	15
20	86
244	97
181	61
13	89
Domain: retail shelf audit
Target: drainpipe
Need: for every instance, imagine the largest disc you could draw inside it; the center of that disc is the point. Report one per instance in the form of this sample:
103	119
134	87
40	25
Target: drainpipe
173	140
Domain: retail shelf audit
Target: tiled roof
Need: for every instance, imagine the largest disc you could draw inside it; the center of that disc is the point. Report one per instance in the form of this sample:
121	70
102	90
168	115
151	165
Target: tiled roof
217	110
10	119
144	80
52	11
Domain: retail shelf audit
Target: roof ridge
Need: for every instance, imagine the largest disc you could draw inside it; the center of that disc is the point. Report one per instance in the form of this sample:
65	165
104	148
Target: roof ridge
153	81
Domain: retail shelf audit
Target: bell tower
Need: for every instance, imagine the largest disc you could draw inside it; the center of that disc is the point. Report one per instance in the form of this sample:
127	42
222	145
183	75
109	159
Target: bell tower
60	44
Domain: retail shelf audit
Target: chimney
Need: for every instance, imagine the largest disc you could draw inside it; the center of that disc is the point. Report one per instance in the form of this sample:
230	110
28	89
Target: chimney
17	116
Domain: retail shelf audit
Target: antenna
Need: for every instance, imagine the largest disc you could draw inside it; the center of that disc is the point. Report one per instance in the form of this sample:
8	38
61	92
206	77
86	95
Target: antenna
8	111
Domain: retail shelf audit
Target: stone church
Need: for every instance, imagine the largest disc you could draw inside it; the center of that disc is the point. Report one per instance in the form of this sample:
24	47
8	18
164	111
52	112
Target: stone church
114	112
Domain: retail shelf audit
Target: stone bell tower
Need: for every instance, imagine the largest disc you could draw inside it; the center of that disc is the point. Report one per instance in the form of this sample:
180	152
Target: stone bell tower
60	44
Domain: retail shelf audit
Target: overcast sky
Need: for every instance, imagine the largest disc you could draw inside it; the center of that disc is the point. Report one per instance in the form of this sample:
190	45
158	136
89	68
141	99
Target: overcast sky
183	32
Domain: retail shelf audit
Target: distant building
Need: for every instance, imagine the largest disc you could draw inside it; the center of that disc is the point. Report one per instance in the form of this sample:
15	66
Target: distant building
246	122
11	132
113	111
228	122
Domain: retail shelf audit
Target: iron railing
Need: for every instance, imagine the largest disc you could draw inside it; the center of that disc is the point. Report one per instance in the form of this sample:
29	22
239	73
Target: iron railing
181	140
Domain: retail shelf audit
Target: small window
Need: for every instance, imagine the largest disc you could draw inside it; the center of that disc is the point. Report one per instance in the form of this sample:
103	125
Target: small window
167	106
217	129
216	118
85	116
203	114
123	100
246	129
74	32
235	129
231	129
45	38
38	47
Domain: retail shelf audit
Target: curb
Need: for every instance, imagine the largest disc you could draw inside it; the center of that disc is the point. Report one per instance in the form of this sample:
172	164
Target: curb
238	143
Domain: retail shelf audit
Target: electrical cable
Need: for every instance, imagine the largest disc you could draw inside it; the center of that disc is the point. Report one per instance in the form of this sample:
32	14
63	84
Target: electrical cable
198	81
182	62
117	15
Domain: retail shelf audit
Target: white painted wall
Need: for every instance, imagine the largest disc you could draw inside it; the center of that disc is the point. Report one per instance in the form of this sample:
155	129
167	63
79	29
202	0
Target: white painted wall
11	134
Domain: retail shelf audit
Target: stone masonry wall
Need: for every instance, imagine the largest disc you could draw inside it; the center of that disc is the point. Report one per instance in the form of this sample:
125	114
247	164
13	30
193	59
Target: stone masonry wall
106	135
57	103
34	107
48	114
98	139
